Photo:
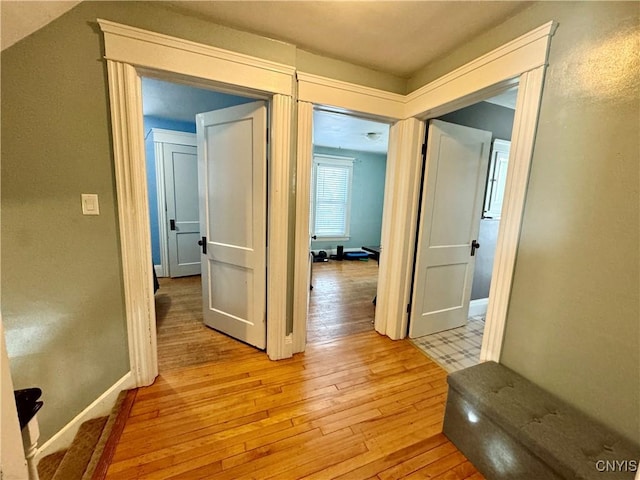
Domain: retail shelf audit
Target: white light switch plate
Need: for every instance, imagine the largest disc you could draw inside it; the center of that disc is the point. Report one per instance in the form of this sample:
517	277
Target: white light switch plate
90	204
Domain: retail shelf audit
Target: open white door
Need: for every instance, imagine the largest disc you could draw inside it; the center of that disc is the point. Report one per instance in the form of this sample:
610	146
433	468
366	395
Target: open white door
452	200
181	193
232	156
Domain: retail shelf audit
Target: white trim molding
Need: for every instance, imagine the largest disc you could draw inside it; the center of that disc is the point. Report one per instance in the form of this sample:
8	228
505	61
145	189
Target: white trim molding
161	135
161	200
279	344
302	272
125	92
101	406
357	98
500	66
522	142
478	307
159	52
399	224
12	453
131	52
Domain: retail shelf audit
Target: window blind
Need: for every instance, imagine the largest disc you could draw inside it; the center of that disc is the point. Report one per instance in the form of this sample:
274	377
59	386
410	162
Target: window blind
331	200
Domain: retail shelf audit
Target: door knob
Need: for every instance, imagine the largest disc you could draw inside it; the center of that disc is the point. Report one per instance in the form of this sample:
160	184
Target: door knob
474	246
203	243
314	237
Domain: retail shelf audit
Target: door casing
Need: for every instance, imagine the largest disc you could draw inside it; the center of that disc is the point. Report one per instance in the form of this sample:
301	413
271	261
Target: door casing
520	62
131	52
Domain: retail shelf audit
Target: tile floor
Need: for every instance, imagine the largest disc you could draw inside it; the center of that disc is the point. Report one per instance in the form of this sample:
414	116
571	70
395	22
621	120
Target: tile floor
457	348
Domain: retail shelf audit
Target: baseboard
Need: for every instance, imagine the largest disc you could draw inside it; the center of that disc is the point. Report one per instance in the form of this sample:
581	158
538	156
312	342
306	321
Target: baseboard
100	407
159	271
478	307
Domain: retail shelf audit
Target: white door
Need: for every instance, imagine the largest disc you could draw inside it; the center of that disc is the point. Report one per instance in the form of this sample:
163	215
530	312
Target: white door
452	200
181	191
232	157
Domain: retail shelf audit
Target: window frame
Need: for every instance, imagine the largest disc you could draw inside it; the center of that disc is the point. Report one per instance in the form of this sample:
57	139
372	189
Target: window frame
346	162
497	174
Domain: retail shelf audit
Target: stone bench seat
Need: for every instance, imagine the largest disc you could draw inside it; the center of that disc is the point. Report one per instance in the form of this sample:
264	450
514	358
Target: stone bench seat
511	429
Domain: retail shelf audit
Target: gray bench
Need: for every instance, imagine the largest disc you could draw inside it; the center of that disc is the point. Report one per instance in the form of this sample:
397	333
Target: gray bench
511	429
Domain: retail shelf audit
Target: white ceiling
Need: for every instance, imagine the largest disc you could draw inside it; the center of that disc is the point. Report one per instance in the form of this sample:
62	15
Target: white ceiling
397	37
343	131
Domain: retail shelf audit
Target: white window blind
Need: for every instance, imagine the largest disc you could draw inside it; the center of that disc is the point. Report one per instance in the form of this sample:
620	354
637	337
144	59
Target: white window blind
331	196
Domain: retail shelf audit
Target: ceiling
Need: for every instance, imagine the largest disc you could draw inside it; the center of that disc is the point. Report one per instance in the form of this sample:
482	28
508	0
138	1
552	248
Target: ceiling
337	130
19	19
181	102
396	37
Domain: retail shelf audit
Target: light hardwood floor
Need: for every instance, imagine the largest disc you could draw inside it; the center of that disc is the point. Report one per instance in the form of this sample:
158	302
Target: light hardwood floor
341	302
183	339
356	406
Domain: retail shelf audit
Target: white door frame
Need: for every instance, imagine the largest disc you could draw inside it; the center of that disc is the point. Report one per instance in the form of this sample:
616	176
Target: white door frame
522	62
131	52
160	136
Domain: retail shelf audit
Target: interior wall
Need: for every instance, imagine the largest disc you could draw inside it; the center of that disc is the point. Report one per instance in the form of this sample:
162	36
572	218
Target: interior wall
572	325
499	121
366	201
62	289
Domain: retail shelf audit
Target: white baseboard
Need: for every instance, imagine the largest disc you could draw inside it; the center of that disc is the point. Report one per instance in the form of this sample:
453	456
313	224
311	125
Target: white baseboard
159	271
478	307
100	407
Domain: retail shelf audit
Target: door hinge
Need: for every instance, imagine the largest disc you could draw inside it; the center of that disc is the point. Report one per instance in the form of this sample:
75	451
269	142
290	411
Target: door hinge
267	135
408	308
424	149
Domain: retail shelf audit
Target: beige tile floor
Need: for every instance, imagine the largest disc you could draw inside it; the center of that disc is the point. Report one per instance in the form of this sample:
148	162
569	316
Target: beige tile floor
457	348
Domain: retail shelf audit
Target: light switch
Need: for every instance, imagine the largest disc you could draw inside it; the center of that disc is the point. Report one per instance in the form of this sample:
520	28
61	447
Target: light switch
90	204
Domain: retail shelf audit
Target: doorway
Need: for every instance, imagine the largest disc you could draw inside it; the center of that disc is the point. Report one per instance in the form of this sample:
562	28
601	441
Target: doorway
345	209
169	121
459	347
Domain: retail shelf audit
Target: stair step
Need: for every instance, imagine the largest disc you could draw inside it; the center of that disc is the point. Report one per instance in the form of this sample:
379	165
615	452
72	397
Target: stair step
101	458
77	457
48	465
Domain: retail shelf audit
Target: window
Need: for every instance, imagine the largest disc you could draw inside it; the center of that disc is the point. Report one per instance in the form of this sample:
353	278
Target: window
331	196
497	179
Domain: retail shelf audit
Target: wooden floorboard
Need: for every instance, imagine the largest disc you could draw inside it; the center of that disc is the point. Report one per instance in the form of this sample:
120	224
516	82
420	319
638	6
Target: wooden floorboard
353	406
341	301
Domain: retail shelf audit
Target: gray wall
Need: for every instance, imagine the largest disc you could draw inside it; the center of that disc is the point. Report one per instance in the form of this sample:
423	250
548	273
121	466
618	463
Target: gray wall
499	121
62	291
367	198
573	321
